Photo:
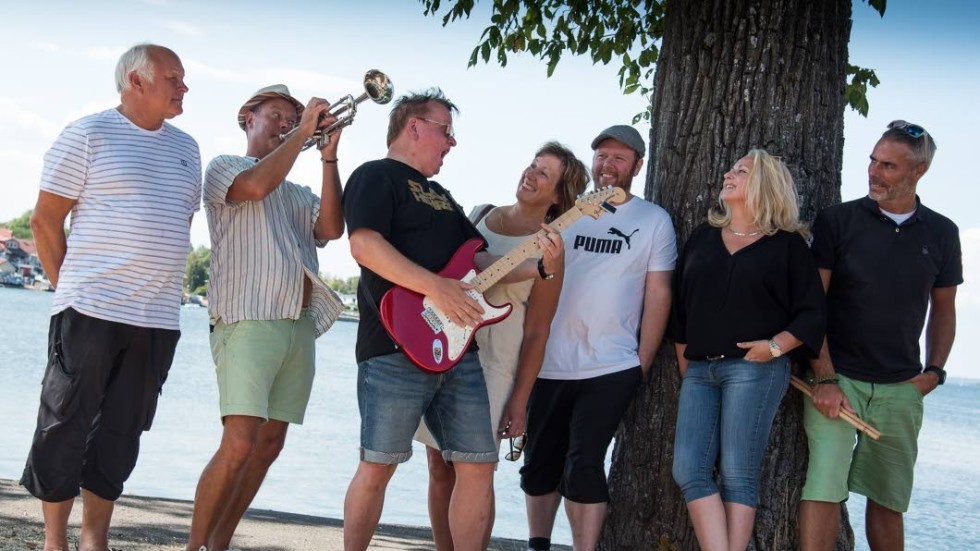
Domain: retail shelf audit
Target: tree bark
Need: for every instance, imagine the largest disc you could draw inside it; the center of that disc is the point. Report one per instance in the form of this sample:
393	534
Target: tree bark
732	75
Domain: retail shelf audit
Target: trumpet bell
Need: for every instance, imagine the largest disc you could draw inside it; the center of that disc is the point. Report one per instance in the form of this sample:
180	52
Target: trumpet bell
378	86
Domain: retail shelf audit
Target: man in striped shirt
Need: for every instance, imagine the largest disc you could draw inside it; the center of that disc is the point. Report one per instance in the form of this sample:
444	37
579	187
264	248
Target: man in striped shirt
132	183
267	303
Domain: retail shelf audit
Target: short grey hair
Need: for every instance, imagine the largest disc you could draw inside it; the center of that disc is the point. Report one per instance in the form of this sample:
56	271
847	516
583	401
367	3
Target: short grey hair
135	59
923	147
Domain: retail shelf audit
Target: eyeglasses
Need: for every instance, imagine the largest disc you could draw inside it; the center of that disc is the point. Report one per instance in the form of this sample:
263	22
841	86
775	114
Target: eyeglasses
516	447
913	130
450	133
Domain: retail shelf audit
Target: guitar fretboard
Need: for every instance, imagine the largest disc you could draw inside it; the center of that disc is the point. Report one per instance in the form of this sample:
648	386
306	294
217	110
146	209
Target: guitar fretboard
518	254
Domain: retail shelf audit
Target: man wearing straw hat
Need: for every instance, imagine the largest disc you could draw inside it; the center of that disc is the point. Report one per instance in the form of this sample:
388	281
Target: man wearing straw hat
885	261
266	302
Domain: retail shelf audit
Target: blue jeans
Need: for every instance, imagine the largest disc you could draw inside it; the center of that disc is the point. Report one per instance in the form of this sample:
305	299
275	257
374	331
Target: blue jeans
393	396
726	408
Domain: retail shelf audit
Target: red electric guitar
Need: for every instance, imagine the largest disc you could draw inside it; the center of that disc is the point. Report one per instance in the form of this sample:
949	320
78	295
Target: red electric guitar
427	336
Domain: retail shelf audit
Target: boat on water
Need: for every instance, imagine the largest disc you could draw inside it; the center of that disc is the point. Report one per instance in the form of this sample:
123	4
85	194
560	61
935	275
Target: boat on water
12	279
349	315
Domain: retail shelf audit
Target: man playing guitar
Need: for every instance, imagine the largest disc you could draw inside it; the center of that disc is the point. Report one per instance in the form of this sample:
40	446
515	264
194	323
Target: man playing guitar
403	228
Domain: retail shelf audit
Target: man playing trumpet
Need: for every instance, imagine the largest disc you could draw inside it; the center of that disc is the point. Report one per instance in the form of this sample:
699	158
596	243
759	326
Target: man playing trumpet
266	303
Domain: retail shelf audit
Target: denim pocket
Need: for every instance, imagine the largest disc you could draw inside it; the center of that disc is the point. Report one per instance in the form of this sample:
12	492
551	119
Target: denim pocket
59	389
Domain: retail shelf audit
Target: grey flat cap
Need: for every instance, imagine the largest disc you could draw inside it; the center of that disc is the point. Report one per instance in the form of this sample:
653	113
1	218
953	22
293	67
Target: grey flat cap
626	135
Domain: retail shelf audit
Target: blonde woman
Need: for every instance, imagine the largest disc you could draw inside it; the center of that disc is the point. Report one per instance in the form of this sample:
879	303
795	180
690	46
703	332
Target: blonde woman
747	292
511	351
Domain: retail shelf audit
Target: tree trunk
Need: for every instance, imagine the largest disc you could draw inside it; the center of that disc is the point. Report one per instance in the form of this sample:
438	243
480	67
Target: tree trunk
732	75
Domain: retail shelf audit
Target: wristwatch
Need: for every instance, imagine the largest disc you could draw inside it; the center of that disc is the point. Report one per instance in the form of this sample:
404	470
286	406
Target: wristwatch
774	348
541	272
940	372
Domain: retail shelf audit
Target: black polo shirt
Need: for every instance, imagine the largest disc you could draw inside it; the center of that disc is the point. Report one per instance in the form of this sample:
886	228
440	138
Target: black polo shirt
882	276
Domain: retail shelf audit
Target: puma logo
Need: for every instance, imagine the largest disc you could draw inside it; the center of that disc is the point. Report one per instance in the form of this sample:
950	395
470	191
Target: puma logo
614	231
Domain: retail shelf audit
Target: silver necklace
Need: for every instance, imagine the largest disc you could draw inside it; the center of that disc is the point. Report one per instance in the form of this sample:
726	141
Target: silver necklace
741	234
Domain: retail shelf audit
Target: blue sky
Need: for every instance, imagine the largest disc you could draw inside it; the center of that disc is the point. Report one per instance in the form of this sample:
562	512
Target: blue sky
57	60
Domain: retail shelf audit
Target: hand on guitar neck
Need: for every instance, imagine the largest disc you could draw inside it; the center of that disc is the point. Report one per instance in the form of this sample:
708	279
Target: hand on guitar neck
552	255
434	327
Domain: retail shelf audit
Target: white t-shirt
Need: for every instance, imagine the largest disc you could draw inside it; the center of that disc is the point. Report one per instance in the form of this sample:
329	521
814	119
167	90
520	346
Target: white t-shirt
596	328
136	191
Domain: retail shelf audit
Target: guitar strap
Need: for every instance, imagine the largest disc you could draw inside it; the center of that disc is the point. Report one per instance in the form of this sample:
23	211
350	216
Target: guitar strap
479	212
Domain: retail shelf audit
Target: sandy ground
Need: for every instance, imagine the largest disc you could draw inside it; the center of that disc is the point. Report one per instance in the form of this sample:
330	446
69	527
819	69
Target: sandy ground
143	524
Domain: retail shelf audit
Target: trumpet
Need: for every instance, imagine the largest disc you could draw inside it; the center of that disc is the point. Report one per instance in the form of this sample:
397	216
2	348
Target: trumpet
377	86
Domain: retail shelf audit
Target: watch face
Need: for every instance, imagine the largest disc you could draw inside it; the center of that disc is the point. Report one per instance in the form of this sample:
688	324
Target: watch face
774	349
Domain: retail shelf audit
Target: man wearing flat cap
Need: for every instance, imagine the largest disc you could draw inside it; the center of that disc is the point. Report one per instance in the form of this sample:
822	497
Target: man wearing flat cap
266	302
611	316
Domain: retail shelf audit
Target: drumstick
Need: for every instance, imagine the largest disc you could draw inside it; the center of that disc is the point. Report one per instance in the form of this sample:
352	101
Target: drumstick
851	418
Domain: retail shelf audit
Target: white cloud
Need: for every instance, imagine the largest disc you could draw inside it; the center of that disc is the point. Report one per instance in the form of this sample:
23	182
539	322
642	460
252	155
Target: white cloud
49	47
297	78
101	53
17	119
183	28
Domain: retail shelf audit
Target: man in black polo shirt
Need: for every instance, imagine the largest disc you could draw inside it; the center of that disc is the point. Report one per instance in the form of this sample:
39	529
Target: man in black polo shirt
885	260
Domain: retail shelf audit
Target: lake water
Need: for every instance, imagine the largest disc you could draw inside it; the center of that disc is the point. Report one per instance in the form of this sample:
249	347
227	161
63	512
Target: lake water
320	457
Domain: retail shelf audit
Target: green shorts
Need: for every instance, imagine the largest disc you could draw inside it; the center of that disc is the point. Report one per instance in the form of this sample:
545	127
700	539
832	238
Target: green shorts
843	460
265	368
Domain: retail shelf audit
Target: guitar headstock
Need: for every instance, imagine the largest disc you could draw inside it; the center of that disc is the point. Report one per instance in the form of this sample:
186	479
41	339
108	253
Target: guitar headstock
592	204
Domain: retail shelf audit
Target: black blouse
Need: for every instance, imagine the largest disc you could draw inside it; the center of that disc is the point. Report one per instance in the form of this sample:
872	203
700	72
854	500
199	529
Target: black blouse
767	287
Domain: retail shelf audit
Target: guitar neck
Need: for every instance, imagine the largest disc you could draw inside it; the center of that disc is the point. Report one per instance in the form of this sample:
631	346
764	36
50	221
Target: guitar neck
518	254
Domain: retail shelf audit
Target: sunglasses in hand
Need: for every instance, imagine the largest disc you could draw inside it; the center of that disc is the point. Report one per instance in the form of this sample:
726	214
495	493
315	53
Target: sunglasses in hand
516	448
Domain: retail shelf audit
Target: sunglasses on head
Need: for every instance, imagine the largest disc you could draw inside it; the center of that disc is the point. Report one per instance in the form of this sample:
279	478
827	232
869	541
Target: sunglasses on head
913	130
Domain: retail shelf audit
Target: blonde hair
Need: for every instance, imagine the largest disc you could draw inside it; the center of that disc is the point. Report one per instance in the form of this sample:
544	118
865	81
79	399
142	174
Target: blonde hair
770	197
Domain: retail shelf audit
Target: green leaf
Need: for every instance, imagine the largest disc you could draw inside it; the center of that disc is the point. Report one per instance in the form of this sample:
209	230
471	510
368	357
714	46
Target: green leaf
486	52
878	5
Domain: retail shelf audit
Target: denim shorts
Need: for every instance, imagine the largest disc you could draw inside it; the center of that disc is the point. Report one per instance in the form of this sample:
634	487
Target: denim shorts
394	395
265	368
843	460
724	418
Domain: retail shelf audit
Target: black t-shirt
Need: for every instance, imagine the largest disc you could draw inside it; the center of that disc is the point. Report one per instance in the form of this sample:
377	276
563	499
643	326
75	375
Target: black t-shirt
882	276
417	216
769	286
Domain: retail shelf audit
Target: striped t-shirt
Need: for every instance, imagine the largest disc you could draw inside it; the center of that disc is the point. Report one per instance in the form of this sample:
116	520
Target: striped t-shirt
262	250
136	191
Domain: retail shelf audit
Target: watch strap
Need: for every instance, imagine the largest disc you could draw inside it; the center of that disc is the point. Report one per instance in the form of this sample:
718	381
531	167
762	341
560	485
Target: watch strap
541	272
940	372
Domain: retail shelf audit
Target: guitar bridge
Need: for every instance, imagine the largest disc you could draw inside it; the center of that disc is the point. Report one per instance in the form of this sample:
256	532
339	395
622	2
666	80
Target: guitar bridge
432	320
